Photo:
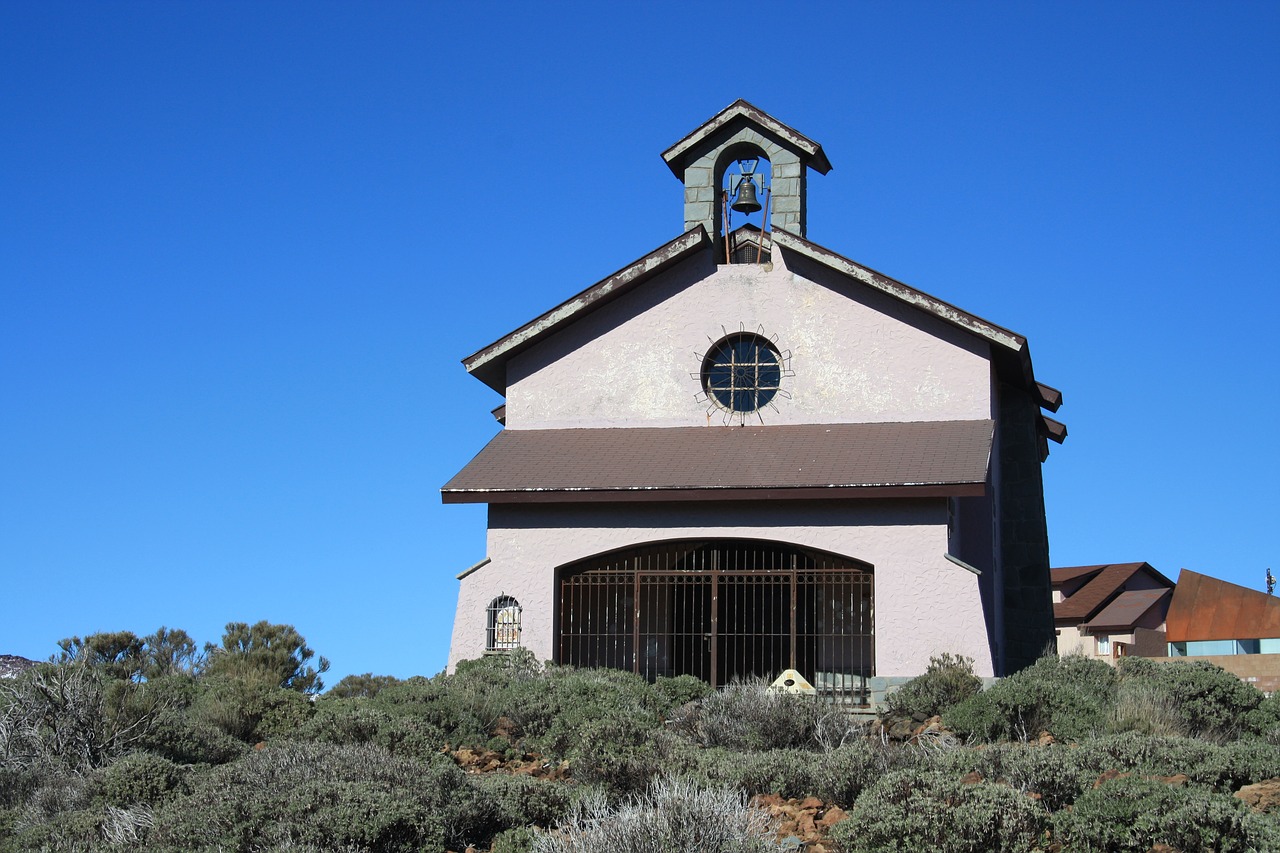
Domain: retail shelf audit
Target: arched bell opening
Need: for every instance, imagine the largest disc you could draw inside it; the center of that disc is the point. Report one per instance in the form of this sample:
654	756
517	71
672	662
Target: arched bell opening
719	610
744	178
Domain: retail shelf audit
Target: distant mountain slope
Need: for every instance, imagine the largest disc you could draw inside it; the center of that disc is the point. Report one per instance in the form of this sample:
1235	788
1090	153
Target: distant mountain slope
12	665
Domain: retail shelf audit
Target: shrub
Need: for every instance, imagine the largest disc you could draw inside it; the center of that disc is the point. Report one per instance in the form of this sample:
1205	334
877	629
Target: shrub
73	714
522	801
519	840
1236	764
1055	773
365	686
354	721
789	772
1132	752
748	715
1066	696
327	796
925	810
1133	813
672	815
1145	708
140	778
553	713
678	691
1264	720
947	681
184	739
615	753
1210	700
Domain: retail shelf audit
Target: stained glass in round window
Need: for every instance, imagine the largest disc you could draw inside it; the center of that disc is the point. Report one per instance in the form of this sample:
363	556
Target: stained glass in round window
742	373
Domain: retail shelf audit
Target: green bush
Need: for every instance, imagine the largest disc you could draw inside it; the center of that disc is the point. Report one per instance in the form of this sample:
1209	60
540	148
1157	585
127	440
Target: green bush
364	686
1056	773
616	753
184	739
1264	720
912	810
140	778
519	840
1234	765
521	801
1147	709
681	690
328	796
355	721
1135	813
1133	752
947	681
1066	696
1210	700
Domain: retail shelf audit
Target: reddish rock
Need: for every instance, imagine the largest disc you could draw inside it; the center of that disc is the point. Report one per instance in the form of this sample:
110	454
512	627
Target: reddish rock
973	777
834	815
1108	775
1263	796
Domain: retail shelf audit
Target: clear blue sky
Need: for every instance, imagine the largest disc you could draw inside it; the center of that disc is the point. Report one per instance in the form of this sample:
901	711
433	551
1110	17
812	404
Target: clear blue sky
243	247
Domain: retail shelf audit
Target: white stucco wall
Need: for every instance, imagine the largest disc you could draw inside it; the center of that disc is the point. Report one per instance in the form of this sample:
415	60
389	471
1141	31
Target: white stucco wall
857	354
924	604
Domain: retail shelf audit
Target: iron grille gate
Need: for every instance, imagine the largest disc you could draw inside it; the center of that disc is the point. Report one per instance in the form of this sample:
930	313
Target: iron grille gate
722	610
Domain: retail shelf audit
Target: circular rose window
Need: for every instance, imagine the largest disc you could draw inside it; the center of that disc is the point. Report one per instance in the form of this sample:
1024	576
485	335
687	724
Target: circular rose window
742	373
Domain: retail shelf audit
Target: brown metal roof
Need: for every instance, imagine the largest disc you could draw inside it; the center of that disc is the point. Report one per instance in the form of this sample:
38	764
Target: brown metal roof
1089	599
1205	608
1128	608
705	463
1057	577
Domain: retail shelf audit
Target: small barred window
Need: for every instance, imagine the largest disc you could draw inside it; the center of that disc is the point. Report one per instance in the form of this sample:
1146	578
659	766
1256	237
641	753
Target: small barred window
502	632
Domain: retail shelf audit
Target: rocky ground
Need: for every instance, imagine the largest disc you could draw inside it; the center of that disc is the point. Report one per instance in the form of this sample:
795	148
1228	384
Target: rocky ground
805	824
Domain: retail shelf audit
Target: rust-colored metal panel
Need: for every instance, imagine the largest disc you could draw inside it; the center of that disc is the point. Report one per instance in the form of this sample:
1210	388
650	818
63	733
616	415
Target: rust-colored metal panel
1205	608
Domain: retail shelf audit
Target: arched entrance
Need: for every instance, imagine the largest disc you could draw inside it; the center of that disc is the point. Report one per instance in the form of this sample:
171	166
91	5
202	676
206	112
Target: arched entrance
720	609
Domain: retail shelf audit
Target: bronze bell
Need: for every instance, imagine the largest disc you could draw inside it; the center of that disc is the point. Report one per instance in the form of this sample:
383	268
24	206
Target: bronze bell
746	201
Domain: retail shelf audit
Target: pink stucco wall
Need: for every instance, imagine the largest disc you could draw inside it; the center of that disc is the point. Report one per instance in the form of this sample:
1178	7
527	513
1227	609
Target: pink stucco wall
858	355
924	604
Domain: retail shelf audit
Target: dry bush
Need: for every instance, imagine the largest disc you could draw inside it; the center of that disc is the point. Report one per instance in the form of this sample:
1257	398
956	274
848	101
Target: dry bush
673	815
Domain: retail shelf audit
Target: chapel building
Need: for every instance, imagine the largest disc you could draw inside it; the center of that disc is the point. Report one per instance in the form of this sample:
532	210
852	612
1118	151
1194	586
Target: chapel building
744	455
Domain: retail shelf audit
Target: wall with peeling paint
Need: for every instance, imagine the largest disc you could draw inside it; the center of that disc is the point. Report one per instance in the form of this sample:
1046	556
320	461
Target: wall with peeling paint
857	354
924	604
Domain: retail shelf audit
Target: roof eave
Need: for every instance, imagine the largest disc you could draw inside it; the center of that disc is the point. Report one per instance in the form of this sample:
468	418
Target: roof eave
488	364
1011	344
643	495
815	157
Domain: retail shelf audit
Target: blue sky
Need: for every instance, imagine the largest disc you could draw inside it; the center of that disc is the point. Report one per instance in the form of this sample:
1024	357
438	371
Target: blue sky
243	247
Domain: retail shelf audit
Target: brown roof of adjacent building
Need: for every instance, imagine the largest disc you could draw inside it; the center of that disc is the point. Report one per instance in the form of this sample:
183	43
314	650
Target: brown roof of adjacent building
806	460
1106	583
1125	611
1205	608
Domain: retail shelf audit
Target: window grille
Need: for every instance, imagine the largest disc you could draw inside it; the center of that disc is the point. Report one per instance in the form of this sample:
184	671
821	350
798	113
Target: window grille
502	631
720	610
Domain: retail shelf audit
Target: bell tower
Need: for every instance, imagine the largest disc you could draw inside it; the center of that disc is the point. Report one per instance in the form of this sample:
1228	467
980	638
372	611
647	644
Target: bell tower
717	161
